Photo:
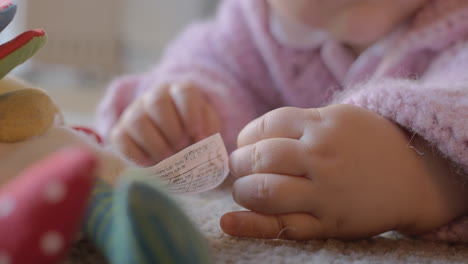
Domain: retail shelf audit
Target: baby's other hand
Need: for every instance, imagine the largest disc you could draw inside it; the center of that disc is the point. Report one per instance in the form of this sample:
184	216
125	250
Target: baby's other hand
163	121
336	172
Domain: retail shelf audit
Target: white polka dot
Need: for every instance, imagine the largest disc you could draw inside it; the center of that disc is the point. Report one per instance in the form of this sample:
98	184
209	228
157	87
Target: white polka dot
55	192
51	243
4	258
7	205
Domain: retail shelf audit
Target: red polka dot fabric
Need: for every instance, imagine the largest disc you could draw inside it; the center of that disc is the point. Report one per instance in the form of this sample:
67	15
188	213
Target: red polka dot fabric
41	210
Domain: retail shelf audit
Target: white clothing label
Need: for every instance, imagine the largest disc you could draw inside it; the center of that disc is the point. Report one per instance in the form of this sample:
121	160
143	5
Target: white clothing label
198	168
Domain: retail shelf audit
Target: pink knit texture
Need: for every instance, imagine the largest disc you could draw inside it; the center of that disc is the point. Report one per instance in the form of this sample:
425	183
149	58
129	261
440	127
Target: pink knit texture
416	76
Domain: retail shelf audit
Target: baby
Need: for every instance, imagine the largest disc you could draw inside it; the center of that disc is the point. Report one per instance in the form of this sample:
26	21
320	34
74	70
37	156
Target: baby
375	135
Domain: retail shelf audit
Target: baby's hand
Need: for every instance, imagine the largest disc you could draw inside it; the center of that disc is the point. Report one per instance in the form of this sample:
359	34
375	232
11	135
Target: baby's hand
163	121
336	172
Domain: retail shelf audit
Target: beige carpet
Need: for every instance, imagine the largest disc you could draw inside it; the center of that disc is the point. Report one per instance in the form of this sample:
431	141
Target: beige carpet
207	208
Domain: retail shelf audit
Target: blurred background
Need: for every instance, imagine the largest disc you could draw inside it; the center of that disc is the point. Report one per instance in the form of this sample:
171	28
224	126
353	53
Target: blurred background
90	42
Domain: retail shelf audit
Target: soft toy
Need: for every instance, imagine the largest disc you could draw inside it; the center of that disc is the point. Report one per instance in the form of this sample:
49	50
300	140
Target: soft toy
57	182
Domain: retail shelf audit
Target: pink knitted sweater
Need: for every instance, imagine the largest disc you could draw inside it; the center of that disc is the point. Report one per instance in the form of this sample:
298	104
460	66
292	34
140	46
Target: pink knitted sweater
417	76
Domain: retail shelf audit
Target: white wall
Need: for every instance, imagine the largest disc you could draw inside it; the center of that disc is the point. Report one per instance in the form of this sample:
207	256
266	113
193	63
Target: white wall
147	25
150	24
18	23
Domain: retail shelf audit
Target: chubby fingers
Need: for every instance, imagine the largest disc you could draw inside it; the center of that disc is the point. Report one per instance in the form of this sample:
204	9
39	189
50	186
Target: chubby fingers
181	114
161	109
164	121
276	194
190	104
138	138
286	122
212	120
295	226
126	145
275	155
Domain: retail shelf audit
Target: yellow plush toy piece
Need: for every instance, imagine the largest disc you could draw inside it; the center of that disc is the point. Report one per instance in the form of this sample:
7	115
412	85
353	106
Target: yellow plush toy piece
24	112
32	127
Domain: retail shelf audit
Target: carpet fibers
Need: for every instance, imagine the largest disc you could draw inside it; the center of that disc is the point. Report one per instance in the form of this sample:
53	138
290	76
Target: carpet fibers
206	209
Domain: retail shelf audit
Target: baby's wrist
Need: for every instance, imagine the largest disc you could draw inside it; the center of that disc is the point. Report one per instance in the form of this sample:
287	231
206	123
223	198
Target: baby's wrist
451	192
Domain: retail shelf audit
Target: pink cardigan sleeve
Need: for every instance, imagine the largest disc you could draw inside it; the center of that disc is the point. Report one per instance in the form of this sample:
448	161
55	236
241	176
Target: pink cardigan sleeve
221	58
435	107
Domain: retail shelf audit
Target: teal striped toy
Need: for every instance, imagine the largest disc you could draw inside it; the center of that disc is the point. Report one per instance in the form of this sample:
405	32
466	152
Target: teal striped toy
137	222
